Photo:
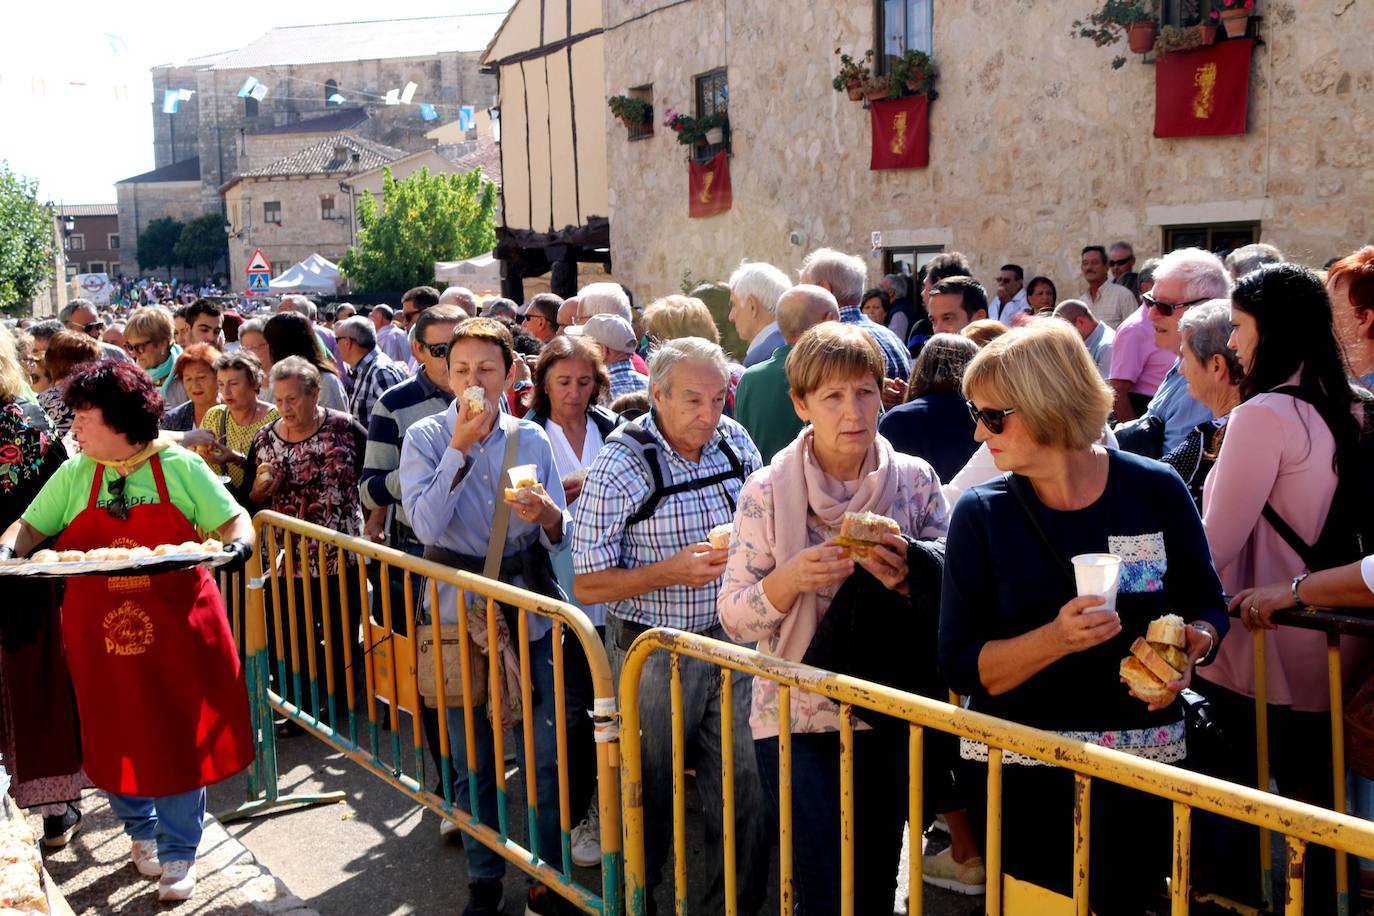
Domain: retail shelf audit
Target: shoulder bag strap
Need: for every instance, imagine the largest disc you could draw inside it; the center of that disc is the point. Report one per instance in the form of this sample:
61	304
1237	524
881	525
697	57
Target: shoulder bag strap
495	547
1017	487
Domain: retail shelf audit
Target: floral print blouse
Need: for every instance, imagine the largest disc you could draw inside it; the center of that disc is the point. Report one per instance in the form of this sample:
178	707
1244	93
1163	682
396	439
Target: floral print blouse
920	510
317	478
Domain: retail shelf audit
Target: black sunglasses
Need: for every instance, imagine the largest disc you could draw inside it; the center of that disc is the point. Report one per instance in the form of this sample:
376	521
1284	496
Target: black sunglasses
1121	262
438	351
1168	308
118	506
995	420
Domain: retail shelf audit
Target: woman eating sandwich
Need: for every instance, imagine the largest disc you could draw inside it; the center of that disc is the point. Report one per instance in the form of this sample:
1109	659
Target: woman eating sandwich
784	569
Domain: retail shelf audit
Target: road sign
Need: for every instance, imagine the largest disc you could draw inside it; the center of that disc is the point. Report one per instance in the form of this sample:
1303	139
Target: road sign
257	282
258	263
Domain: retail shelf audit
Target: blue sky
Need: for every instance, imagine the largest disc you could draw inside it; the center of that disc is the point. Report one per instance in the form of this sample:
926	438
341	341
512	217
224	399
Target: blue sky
75	94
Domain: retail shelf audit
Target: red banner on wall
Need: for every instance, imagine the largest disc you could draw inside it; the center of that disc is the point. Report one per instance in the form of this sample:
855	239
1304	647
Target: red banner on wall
1203	93
708	186
901	133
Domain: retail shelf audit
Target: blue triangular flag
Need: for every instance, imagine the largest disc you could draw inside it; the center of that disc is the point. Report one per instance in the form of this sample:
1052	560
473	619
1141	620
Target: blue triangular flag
427	111
247	87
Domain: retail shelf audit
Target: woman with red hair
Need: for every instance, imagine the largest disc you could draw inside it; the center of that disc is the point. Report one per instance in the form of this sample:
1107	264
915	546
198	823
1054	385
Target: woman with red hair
1350	284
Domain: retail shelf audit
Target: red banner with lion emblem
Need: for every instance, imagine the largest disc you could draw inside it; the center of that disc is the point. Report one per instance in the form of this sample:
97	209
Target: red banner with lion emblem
1203	93
708	186
901	133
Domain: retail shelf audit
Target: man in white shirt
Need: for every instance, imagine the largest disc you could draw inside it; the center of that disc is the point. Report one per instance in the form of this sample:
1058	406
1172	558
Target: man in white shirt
755	288
1109	303
1010	300
1097	337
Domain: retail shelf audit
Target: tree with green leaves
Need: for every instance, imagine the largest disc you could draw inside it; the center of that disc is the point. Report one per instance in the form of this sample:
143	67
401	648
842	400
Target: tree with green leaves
157	244
202	243
422	219
27	247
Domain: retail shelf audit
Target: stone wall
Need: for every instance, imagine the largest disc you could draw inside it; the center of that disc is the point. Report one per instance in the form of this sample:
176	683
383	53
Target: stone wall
142	202
1037	146
175	136
302	232
295	92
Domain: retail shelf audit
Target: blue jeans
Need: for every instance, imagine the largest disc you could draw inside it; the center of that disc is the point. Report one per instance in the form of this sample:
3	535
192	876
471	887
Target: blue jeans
175	821
483	863
879	812
702	712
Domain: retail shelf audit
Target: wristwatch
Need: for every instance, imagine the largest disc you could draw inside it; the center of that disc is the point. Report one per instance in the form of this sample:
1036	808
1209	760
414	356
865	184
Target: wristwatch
1298	602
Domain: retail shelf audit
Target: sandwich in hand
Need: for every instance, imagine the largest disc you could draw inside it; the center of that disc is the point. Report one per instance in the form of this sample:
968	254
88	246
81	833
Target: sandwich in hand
1157	659
719	536
476	398
264	474
862	531
524	481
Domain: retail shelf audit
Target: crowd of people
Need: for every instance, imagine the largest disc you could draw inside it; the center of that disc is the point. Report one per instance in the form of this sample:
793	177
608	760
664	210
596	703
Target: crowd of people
1201	419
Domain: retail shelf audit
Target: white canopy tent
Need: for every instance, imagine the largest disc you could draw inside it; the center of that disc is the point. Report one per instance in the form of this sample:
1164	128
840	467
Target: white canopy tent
313	275
481	274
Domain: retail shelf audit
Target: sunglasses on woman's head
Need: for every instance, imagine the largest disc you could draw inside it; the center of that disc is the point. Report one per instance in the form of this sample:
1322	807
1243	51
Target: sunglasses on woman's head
994	419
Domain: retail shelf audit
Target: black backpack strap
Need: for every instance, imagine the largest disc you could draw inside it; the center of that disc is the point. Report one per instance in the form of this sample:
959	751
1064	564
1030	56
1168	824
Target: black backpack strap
1290	537
660	492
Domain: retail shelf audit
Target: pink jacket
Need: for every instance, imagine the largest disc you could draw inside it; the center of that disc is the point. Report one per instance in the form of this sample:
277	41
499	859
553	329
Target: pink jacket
1276	449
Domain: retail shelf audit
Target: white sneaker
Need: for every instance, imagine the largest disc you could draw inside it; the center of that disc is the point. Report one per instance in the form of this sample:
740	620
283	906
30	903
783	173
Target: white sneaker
144	854
178	880
449	831
586	841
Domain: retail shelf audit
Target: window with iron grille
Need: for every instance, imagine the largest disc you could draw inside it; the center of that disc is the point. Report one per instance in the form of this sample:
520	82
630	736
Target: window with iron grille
712	97
644	94
1219	238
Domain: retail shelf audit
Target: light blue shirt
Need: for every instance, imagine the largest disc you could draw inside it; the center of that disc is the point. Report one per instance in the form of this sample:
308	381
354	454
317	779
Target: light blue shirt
1176	407
456	512
763	345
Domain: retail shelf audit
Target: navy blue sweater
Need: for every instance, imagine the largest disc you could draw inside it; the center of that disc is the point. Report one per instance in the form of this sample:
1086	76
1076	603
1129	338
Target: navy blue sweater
1000	582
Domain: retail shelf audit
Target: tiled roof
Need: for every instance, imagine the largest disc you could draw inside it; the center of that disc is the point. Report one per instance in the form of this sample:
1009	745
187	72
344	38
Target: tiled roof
339	119
88	210
483	153
322	158
185	170
379	40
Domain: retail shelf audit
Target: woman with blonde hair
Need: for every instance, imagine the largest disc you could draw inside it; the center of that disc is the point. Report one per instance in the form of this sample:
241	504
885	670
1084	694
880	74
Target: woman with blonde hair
1025	646
149	338
675	317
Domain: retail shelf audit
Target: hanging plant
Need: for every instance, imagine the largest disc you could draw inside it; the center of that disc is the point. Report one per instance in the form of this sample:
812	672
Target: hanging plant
852	74
1113	20
913	73
630	111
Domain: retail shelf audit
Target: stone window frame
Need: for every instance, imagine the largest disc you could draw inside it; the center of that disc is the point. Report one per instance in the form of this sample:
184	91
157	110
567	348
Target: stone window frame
880	29
709	90
268	206
76	241
112	241
250	108
95	267
327	212
331	88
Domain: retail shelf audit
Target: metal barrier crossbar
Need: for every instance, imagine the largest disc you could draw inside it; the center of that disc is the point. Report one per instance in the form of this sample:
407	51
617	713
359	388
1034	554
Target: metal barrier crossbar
1300	823
389	661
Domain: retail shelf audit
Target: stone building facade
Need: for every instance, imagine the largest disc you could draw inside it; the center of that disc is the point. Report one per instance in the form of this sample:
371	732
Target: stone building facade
172	191
94	245
1037	146
298	206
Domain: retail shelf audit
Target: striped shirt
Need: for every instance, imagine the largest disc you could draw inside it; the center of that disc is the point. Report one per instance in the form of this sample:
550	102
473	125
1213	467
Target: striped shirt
618	483
896	357
373	375
397	410
625	379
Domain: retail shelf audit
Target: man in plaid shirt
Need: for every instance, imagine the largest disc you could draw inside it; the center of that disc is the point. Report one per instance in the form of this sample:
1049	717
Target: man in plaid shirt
660	571
373	371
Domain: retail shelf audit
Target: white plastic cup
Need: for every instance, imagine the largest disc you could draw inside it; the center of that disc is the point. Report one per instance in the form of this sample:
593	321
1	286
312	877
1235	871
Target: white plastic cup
1098	574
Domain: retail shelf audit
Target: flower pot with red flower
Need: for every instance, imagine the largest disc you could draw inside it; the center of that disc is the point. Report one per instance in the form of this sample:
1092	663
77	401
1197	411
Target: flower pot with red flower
913	72
852	74
633	113
1234	16
1117	18
1140	37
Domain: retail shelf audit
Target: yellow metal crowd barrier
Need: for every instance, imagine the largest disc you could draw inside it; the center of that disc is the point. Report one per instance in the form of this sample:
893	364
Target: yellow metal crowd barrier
284	617
1334	624
1300	823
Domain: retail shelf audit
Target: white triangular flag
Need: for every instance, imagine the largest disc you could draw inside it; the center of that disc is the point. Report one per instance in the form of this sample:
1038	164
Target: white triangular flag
392	96
409	93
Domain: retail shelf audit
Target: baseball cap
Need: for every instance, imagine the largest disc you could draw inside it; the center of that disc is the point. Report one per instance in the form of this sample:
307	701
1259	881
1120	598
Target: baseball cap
611	331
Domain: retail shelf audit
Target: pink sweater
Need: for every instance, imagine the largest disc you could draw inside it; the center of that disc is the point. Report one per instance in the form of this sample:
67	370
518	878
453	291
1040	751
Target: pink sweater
747	614
1278	449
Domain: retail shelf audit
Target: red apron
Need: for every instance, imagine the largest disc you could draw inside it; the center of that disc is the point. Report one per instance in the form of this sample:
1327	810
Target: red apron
161	693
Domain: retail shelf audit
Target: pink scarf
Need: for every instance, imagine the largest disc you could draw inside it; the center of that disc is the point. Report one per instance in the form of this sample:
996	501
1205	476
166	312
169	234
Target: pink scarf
801	488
